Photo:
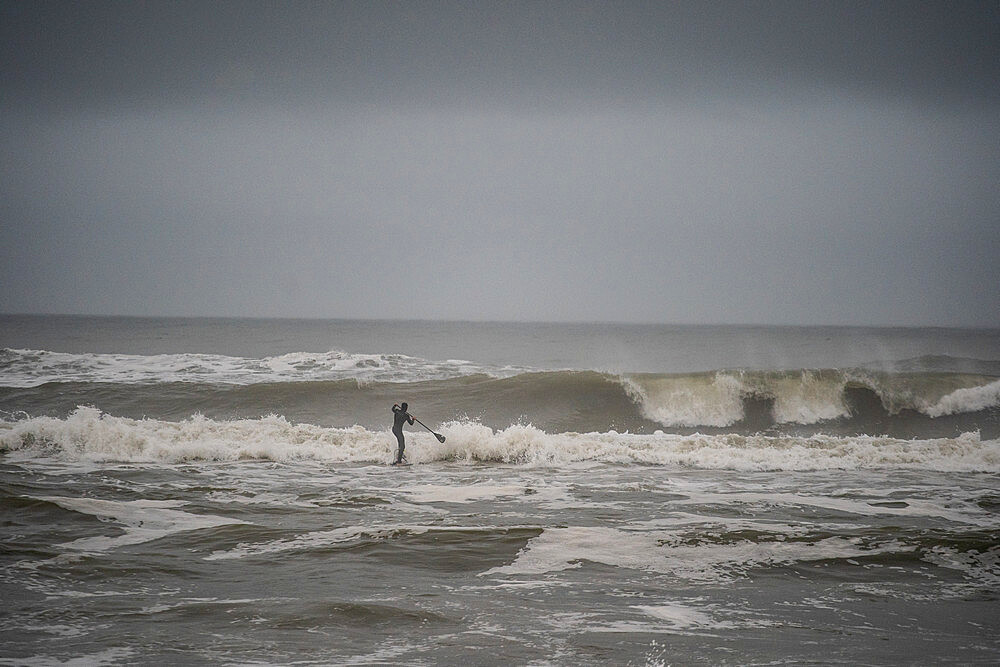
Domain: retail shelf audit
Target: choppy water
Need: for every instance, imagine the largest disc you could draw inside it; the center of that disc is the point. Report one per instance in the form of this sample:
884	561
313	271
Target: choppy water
189	491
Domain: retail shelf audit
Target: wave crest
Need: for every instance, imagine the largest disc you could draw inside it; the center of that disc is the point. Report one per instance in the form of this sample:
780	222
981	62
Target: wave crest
967	399
802	397
87	434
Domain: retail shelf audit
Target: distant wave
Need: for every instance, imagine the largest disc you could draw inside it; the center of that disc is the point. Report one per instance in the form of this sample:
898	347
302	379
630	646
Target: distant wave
29	368
87	434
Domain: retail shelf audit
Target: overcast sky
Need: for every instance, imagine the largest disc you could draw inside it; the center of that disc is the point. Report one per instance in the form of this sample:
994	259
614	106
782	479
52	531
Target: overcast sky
705	162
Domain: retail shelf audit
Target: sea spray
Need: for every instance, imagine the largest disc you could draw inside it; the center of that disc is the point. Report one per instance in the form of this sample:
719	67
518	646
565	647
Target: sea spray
688	400
803	396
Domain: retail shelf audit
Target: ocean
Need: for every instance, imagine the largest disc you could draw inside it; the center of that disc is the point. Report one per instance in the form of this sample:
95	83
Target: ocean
217	491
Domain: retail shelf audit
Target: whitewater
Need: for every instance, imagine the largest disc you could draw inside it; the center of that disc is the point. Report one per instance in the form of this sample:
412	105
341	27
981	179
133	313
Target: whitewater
217	491
88	435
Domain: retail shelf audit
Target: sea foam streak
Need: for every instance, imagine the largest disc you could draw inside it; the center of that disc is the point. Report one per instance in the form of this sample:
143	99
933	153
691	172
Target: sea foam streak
143	520
87	434
559	549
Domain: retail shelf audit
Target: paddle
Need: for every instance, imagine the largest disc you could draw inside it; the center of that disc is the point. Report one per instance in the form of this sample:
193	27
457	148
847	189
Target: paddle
436	435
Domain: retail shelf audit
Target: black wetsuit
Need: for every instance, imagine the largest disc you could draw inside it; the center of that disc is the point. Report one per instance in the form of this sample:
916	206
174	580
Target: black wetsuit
399	417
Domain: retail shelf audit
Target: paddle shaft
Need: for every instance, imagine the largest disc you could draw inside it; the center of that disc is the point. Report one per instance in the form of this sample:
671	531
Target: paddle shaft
436	435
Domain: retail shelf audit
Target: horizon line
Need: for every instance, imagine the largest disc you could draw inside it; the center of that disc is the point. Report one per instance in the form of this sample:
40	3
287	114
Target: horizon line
318	318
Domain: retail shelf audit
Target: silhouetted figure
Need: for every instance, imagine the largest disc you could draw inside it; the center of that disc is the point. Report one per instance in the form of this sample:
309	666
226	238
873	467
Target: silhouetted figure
400	417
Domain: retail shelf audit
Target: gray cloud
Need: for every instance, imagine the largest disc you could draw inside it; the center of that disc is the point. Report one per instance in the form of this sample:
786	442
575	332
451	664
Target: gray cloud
754	162
522	52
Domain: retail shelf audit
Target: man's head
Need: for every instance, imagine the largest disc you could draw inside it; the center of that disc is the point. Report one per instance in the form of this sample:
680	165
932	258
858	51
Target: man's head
403	406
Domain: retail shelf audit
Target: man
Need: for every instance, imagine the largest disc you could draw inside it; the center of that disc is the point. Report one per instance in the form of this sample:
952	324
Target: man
400	417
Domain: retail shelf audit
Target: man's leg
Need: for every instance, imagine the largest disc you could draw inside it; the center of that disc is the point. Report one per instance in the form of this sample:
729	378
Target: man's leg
399	454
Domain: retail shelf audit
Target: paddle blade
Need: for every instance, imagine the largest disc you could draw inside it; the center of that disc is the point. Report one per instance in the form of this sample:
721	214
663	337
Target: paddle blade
439	437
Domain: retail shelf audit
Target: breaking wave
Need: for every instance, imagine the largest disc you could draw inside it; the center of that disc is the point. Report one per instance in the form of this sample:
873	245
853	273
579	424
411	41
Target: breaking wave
337	388
806	396
89	435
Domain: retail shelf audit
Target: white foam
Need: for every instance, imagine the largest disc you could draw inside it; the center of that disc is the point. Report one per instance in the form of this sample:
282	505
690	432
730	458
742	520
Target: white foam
558	549
314	540
713	522
543	495
911	507
979	567
528	445
111	656
678	616
434	493
89	436
803	397
29	368
385	654
65	631
272	499
188	602
143	520
967	399
807	397
689	400
346	534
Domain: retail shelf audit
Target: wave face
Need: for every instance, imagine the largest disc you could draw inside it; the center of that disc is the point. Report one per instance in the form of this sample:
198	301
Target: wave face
89	435
805	396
